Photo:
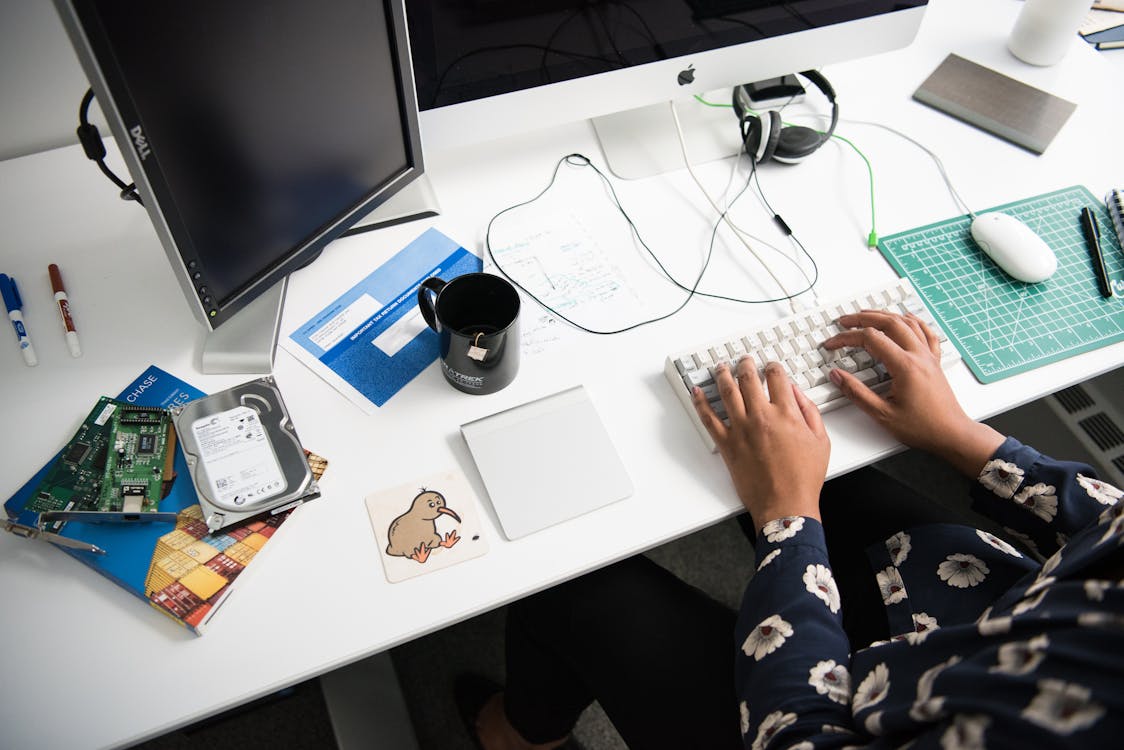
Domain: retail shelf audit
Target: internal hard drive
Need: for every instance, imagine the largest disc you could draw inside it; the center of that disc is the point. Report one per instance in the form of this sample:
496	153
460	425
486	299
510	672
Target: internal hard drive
243	453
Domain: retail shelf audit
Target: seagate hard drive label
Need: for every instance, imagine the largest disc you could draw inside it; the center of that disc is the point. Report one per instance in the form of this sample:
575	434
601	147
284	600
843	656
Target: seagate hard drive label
241	466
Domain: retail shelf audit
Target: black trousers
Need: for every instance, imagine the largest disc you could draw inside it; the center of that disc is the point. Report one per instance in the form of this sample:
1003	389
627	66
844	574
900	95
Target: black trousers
658	654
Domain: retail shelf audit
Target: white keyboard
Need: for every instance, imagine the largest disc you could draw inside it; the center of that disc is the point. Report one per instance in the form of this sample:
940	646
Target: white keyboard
795	343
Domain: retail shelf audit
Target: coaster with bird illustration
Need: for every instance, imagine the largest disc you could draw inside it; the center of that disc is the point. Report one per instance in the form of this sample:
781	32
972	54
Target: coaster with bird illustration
427	525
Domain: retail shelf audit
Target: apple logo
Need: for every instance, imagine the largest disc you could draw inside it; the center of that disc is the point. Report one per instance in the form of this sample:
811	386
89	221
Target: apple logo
687	76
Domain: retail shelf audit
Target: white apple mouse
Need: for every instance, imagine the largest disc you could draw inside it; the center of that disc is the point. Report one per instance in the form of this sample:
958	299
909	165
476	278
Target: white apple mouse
1014	247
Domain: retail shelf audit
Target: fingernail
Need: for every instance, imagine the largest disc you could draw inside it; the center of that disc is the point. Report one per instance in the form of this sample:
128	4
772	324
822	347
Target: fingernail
836	376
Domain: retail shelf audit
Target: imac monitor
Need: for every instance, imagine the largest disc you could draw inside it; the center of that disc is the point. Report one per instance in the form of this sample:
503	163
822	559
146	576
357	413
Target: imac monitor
257	131
492	68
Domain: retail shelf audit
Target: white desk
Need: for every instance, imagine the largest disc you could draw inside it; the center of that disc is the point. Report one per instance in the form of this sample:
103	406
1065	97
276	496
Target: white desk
86	665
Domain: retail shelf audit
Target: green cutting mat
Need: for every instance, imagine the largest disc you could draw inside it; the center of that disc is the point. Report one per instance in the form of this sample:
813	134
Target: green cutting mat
1001	326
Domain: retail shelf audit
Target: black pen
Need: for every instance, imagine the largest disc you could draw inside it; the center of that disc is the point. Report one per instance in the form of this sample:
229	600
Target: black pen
1093	240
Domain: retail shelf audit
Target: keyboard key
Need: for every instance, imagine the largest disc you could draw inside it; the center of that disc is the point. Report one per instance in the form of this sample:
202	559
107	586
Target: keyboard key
822	394
867	377
696	377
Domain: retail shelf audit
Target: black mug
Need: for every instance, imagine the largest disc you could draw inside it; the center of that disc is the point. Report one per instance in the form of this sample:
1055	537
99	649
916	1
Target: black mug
476	317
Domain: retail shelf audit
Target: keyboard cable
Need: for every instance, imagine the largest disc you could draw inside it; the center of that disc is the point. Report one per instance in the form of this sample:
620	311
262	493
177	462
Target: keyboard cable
789	297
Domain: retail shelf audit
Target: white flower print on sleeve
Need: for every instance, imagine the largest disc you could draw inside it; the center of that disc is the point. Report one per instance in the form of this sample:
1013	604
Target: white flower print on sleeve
782	528
1063	707
925	706
832	680
966	733
1040	499
1040	584
891	585
1100	620
923	624
1094	590
998	543
898	546
1114	516
873	723
874	687
1021	657
768	559
1103	493
1049	564
962	570
1028	604
819	581
1001	477
743	712
767	637
988	625
772	724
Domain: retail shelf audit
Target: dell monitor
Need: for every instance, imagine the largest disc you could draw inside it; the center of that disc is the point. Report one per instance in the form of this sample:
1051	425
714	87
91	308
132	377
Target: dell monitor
256	131
491	68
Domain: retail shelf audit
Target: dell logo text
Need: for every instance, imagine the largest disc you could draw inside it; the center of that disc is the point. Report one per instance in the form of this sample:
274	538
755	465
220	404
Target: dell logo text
140	142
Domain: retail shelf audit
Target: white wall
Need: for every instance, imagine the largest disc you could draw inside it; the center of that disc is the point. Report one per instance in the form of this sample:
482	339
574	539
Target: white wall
41	82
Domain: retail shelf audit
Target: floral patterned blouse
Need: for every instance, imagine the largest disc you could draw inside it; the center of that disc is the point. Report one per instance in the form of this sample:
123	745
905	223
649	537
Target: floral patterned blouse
993	647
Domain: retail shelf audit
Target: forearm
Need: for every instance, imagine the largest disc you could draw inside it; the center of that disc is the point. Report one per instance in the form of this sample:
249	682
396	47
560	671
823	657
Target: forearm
969	448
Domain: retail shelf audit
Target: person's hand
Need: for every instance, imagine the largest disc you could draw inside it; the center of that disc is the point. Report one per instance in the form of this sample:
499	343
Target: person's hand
919	409
775	447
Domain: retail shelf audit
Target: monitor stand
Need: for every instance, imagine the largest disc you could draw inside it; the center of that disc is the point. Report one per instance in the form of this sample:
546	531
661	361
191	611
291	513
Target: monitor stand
415	201
248	341
642	142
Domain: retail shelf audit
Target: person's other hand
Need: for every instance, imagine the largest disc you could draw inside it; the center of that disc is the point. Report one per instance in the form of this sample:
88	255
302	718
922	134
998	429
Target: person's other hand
919	409
775	447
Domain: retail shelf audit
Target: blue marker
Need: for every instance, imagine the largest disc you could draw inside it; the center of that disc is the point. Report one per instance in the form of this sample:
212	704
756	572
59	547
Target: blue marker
14	304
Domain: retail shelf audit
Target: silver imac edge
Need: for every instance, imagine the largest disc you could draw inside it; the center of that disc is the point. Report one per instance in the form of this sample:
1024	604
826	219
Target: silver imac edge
495	68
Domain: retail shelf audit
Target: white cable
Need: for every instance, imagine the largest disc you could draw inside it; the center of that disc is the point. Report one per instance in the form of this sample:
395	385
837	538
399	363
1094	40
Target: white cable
722	214
959	201
796	249
936	159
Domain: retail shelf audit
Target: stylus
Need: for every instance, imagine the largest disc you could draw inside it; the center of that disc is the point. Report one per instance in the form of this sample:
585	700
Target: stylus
1093	240
64	310
14	303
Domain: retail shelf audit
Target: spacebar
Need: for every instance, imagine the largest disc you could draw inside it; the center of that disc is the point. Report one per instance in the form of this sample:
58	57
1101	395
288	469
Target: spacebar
821	395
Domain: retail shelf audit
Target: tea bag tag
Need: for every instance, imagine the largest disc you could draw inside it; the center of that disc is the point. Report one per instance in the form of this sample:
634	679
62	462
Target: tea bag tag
476	352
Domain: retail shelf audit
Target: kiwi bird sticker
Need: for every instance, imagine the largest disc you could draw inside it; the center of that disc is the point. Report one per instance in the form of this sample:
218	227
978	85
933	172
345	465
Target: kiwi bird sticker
414	533
422	530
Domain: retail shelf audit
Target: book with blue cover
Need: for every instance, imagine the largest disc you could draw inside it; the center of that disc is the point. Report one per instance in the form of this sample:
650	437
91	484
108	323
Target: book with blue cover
180	568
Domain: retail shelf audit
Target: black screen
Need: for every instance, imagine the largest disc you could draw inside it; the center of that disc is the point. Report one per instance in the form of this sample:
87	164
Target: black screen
465	50
266	122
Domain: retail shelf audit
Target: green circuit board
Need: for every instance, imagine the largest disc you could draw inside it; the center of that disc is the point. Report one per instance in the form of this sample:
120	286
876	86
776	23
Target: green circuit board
118	461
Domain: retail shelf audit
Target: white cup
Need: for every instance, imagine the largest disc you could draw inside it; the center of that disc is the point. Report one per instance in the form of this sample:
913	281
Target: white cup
1045	29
